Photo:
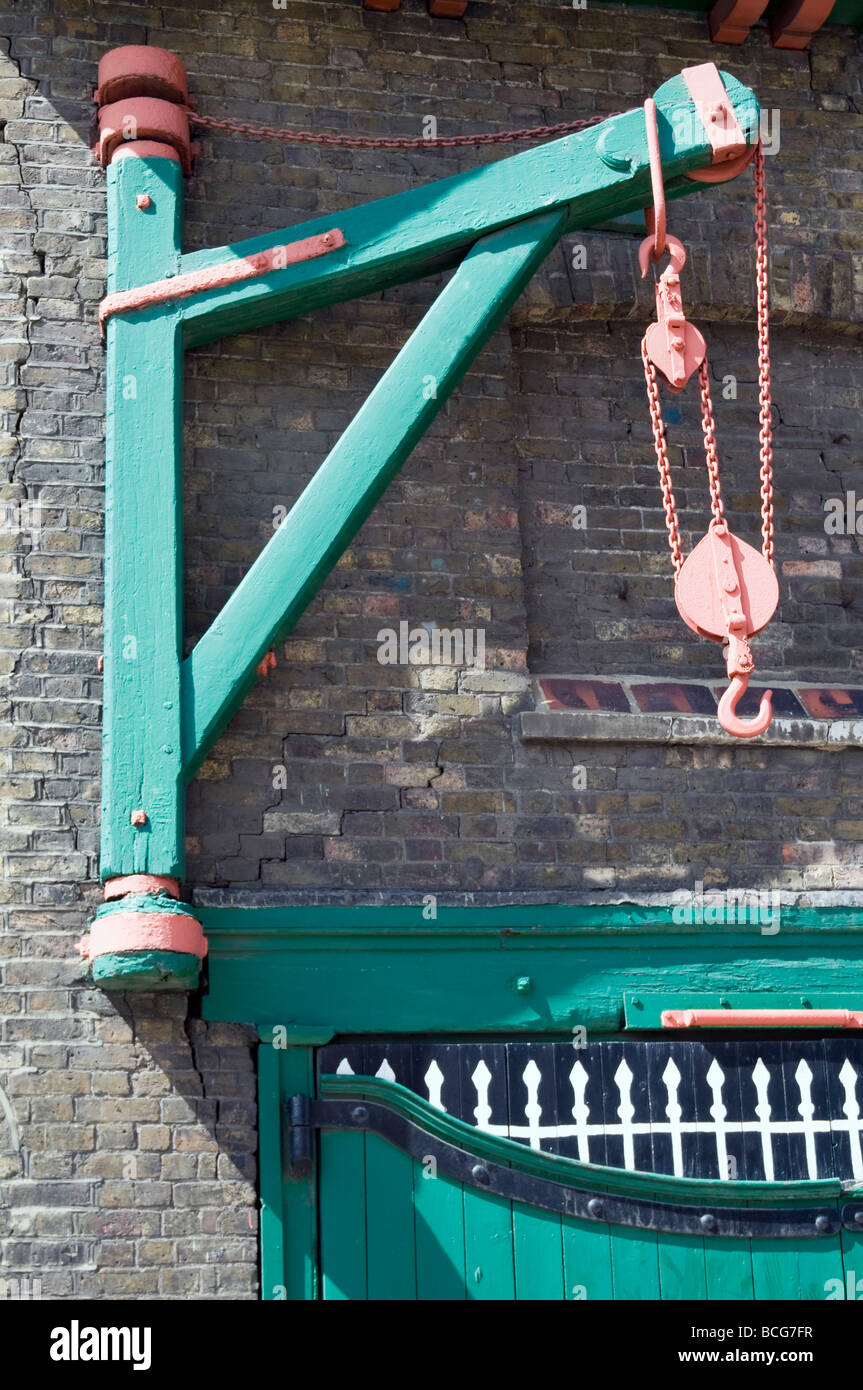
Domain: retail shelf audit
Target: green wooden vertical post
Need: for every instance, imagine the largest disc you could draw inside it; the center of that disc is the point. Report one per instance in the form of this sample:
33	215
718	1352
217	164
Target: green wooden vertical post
289	1219
143	587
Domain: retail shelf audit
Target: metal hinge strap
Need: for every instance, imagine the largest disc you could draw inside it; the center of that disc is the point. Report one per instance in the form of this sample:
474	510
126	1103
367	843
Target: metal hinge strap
513	1184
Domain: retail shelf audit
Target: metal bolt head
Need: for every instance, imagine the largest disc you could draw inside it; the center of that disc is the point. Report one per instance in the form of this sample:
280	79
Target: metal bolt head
594	1206
523	984
822	1223
360	1114
858	1218
143	201
138	817
480	1174
708	1221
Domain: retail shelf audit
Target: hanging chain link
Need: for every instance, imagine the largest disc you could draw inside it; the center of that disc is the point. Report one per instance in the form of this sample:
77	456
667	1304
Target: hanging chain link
369	142
708	429
662	462
708	424
765	405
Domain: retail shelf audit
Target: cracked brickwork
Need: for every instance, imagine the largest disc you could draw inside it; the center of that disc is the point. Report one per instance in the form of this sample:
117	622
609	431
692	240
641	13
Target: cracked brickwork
343	779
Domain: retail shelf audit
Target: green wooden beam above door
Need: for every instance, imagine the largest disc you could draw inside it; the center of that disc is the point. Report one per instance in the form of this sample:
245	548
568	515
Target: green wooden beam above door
542	969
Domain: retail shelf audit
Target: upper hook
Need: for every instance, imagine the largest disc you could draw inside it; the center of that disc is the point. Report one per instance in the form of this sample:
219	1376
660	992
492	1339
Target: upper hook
729	718
673	245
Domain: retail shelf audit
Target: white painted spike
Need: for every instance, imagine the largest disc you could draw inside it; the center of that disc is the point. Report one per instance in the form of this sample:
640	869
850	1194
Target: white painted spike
674	1110
580	1110
481	1079
344	1068
761	1078
806	1109
716	1080
532	1076
851	1108
434	1079
626	1110
385	1071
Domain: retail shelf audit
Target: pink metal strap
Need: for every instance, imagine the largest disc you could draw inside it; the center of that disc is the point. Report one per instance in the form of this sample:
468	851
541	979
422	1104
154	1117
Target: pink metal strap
761	1018
707	91
217	276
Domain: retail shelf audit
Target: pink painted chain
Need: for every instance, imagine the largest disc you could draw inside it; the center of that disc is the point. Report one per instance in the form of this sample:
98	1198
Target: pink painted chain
661	445
368	142
765	411
708	425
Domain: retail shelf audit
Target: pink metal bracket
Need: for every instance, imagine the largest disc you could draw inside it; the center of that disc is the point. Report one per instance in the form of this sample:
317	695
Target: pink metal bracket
761	1018
727	140
217	276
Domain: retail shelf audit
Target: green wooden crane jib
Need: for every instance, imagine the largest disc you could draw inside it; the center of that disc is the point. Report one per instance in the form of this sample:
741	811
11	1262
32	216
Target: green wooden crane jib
495	225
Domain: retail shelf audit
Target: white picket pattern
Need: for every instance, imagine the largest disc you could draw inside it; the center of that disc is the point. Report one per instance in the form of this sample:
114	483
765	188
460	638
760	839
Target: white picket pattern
719	1127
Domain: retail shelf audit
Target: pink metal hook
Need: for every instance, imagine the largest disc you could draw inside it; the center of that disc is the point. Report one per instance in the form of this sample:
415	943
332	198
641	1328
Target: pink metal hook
673	245
729	718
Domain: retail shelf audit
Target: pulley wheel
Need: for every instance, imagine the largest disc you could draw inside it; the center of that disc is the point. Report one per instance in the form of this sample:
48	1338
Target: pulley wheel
699	602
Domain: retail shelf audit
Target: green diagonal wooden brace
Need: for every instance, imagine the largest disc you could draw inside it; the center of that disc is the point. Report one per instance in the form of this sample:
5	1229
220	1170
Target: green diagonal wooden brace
495	224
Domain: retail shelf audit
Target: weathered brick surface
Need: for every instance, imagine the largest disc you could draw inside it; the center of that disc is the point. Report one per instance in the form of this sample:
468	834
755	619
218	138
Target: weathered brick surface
343	778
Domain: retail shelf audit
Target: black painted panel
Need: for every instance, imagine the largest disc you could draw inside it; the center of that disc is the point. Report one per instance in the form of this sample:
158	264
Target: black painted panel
811	1091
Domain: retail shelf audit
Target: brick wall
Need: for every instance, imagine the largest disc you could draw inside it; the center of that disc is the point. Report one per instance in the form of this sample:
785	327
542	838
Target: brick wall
134	1174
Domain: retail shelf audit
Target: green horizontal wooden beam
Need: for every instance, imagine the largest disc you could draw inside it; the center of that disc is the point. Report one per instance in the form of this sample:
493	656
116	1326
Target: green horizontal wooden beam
591	176
530	970
331	509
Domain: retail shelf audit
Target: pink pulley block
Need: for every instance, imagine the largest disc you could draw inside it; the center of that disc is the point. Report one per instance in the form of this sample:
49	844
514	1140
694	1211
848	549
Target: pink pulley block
727	591
701	606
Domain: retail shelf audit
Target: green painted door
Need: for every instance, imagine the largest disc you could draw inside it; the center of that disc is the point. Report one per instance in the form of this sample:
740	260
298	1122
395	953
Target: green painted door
414	1204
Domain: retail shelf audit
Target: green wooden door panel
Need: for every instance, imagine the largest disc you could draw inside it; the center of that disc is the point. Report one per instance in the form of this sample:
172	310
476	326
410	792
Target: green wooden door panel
728	1268
538	1250
852	1267
682	1271
390	1238
439	1234
818	1261
586	1261
488	1242
634	1264
774	1270
342	1197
